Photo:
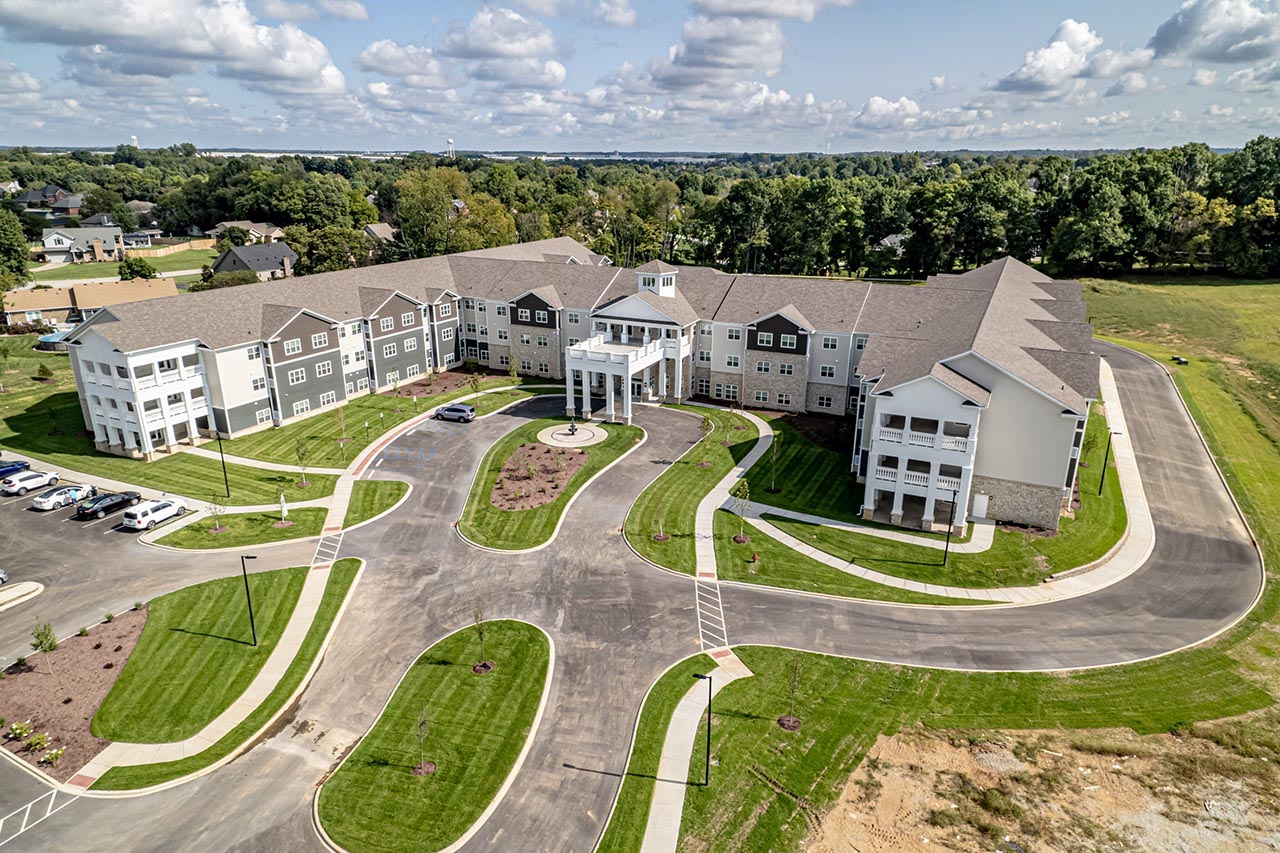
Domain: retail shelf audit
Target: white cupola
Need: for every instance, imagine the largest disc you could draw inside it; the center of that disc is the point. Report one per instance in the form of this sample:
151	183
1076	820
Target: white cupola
657	277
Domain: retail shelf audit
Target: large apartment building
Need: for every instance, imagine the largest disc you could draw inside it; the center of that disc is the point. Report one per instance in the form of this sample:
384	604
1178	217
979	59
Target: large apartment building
972	390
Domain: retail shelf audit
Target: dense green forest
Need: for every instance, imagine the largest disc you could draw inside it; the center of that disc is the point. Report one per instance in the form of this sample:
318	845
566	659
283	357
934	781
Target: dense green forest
1186	208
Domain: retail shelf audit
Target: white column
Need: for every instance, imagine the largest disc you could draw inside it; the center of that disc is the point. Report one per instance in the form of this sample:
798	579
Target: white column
586	393
569	402
962	499
929	501
895	514
100	433
626	400
679	395
608	398
662	379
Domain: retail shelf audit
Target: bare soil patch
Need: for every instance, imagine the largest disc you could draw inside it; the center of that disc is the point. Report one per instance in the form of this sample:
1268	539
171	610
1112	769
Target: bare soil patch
534	475
1053	791
81	670
426	768
443	383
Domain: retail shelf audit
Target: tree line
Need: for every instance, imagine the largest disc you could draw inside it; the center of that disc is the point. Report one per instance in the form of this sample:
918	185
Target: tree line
1186	208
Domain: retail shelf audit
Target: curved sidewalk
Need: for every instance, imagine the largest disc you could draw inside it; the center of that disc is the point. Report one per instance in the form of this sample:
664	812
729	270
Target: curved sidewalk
704	520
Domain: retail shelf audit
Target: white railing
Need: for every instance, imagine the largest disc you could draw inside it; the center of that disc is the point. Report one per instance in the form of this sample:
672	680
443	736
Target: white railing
916	478
890	435
889	475
950	442
921	439
949	483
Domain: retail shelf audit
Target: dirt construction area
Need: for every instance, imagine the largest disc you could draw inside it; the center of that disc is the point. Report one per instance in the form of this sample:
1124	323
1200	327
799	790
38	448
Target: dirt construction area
1101	790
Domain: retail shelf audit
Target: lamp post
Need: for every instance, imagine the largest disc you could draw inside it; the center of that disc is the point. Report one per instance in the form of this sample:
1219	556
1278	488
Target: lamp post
707	780
226	481
1105	459
946	549
366	432
248	598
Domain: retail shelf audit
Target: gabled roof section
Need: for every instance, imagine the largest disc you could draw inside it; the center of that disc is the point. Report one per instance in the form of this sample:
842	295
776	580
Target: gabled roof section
276	317
657	267
675	308
962	385
790	312
261	257
546	293
373	298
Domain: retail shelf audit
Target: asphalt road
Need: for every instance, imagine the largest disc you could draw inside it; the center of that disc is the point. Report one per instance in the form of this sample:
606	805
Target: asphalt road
618	623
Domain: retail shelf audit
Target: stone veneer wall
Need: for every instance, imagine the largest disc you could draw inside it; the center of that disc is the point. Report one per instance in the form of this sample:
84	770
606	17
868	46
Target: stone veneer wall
726	379
839	395
552	353
1021	503
773	382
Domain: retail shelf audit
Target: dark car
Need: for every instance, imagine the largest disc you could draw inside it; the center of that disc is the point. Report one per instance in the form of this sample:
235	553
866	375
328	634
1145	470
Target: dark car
110	502
459	412
12	467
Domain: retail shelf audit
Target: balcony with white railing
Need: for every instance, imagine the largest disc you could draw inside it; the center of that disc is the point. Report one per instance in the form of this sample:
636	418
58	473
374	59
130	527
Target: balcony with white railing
915	478
948	483
628	351
889	475
921	439
893	436
957	443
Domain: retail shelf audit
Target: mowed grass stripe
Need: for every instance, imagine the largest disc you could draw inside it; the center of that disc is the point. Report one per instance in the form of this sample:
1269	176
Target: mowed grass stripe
811	478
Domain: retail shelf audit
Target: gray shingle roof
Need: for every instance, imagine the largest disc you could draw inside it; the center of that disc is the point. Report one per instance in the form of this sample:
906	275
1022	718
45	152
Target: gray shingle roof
82	238
261	257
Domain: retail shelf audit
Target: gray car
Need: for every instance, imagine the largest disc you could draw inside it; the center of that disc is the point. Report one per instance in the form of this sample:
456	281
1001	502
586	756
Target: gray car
459	412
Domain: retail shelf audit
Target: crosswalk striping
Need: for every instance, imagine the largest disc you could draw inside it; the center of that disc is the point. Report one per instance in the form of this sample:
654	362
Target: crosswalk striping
712	632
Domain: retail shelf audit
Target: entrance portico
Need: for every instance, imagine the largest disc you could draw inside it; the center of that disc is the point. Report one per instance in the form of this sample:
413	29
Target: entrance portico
623	362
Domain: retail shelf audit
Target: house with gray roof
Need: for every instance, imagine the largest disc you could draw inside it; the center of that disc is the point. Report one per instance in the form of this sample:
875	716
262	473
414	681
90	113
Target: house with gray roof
968	396
266	260
77	245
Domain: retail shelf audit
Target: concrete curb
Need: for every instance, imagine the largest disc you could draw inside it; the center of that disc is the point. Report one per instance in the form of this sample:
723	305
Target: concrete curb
506	784
29	590
457	525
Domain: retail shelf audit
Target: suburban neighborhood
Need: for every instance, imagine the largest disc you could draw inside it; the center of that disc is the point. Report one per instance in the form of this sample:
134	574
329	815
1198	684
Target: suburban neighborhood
689	427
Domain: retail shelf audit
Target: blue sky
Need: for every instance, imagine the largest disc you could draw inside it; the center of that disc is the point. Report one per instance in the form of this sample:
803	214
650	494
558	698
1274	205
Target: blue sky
727	75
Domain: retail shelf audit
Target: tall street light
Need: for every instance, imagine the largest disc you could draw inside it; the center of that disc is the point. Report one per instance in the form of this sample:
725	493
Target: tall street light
248	598
226	481
946	549
1105	459
707	782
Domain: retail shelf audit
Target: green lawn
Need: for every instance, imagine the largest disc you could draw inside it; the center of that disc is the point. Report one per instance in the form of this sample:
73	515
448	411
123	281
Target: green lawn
195	656
492	402
247	528
341	577
671	501
627	823
780	566
322	432
371	497
476	728
189	259
486	524
50	428
810	478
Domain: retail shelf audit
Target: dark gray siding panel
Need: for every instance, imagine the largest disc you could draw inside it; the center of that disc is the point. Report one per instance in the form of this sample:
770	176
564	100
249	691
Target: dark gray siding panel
310	388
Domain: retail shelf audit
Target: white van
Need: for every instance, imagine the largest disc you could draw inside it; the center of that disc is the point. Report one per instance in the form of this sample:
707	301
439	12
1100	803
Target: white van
148	514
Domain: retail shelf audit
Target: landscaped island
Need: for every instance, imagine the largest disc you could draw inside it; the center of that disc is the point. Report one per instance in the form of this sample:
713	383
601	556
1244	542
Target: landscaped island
444	745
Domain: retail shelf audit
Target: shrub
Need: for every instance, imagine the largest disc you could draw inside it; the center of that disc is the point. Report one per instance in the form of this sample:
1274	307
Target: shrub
109	617
21	661
83	632
943	818
53	756
19	731
37	741
44	371
138	605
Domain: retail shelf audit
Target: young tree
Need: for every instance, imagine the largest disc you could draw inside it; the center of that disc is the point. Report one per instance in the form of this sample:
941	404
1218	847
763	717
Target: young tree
44	640
302	452
511	369
475	382
131	268
707	426
44	371
741	494
420	729
793	685
6	353
217	507
774	447
477	616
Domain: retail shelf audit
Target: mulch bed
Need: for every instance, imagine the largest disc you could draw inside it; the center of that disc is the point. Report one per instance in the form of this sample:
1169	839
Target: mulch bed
444	382
483	667
553	467
62	699
426	768
789	723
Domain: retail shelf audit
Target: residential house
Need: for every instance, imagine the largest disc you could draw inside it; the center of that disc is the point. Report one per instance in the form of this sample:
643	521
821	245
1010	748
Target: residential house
259	232
267	260
98	220
45	197
380	231
141	239
69	205
968	396
10	188
65	306
144	210
75	245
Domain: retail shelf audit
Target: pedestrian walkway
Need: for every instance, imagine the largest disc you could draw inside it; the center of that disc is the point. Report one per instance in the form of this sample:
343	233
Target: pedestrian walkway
981	534
704	521
256	463
662	831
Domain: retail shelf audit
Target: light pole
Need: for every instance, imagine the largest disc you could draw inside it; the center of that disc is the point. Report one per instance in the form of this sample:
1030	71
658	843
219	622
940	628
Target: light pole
226	481
248	598
366	432
707	780
946	549
1105	459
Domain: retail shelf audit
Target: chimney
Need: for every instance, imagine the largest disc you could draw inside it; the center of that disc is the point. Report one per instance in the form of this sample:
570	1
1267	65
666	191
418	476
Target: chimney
288	267
97	248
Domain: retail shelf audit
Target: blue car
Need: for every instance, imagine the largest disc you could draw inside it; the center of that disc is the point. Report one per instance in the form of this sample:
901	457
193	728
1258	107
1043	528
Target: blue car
12	467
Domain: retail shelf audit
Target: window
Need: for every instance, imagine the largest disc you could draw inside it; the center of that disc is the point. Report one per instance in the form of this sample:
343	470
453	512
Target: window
786	369
471	329
523	315
412	370
328	398
829	342
787	341
764	339
573	342
165	364
704	355
735	334
860	343
526	365
320	340
719	391
346	359
324	368
469	304
704	387
301	407
824	401
362	383
449	358
762	367
33	316
731	392
704	330
264	415
542	340
114	405
259	383
88	365
351	388
762	396
573	317
406	319
482	307
526	340
731	361
827	371
359	356
543	367
484	331
503	334
446	334
355	328
501	310
297	376
410	344
393	376
293	346
389	351
342	332
446	310
471	352
540	316
504	361
386	324
255	352
784	399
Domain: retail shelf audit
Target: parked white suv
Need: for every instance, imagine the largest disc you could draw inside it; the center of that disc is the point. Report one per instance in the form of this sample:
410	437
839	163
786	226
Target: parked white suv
20	484
148	514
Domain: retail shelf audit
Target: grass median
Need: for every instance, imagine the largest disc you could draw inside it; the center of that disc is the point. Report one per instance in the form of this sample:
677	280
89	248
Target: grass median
492	527
670	503
475	727
235	530
341	577
809	472
370	498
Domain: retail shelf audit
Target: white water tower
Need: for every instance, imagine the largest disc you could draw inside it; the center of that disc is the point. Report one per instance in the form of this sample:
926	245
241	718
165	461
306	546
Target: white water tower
449	152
